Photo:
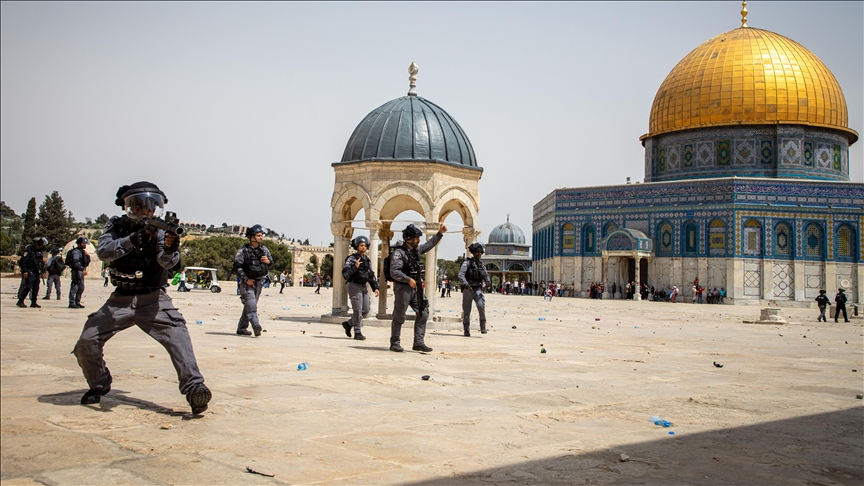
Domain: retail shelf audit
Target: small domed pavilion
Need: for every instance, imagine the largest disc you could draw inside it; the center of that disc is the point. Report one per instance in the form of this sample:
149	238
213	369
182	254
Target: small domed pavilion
508	257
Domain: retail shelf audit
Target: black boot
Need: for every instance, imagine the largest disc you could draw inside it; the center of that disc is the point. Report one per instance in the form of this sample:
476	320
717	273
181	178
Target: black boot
244	332
198	398
359	337
347	326
467	333
21	303
93	396
34	304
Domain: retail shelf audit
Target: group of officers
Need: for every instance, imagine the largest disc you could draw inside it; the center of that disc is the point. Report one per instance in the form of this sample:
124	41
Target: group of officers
34	268
142	253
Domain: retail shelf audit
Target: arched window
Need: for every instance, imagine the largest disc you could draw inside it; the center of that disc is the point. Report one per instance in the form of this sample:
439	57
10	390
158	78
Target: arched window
608	228
783	241
752	238
568	238
665	239
691	238
846	243
717	237
813	246
588	239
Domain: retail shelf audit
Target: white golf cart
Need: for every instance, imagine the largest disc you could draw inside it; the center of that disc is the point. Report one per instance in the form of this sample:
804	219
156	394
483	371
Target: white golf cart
202	278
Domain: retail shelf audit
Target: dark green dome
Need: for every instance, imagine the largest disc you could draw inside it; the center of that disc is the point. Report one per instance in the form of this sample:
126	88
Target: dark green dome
410	128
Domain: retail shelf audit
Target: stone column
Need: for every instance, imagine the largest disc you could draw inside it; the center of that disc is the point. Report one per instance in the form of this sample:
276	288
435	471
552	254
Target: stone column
767	279
385	234
342	233
372	251
799	280
431	269
636	292
605	274
469	236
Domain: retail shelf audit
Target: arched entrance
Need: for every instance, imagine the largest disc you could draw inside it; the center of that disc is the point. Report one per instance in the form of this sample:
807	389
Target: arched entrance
626	247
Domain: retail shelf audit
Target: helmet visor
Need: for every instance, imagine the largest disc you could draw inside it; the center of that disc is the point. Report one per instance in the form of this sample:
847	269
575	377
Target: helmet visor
144	205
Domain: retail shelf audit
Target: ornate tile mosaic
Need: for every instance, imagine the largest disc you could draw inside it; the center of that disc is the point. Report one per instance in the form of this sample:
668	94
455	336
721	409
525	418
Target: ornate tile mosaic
746	152
724	152
791	152
705	154
809	154
688	154
766	152
673	158
824	155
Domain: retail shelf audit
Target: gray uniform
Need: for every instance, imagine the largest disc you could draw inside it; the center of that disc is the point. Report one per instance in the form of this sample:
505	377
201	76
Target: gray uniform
249	294
405	296
152	311
53	278
358	293
79	261
472	291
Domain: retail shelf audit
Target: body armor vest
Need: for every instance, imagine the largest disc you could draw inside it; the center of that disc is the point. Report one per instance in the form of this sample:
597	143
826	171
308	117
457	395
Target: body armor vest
413	267
252	264
138	271
473	275
363	275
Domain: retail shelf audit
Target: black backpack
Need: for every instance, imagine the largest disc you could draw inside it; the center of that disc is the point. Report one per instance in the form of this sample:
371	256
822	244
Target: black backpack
56	267
387	262
69	257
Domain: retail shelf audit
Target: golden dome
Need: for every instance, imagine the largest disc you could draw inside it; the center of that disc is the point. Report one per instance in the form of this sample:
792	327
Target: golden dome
749	76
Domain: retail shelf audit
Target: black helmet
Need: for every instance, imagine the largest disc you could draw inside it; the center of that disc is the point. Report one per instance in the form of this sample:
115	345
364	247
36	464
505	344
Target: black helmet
254	230
411	231
141	200
476	248
40	241
82	240
55	251
360	240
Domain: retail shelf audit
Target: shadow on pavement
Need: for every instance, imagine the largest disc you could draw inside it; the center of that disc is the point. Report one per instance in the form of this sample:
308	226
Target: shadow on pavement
825	448
112	399
310	320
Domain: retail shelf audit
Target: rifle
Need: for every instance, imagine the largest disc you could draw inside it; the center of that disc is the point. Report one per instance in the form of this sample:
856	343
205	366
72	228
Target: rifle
170	224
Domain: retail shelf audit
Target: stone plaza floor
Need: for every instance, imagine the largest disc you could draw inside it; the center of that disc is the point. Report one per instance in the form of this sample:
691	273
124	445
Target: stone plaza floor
781	410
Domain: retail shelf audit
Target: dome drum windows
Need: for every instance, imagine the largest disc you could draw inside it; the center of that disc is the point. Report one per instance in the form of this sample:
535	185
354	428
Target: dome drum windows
783	241
752	238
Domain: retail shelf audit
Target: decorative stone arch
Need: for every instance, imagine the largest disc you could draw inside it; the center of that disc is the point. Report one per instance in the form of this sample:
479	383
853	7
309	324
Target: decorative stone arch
664	236
846	243
690	242
813	246
626	243
399	196
347	203
784	240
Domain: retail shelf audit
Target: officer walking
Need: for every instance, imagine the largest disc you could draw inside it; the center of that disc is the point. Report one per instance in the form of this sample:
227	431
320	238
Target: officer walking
822	302
251	263
357	271
54	268
406	270
78	261
32	265
142	259
840	300
474	278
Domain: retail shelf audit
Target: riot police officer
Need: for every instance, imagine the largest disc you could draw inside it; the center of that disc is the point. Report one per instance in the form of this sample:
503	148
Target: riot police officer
406	270
141	261
358	272
32	265
54	268
78	261
251	263
474	278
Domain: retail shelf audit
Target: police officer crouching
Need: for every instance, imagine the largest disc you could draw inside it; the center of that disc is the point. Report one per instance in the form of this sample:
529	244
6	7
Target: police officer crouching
406	271
54	268
141	260
32	265
474	278
357	271
78	261
251	263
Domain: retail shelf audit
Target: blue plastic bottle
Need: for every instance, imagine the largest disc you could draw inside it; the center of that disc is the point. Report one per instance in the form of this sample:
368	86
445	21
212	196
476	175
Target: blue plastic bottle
302	366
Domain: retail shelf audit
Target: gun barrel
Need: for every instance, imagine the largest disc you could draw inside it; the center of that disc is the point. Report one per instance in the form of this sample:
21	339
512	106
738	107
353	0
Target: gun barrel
173	228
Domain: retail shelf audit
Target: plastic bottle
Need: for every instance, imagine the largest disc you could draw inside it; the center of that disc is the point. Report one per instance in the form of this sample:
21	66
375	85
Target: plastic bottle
199	322
302	366
541	318
660	422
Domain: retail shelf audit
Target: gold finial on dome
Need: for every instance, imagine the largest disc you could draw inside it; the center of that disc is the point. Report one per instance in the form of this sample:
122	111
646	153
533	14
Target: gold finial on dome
412	79
744	13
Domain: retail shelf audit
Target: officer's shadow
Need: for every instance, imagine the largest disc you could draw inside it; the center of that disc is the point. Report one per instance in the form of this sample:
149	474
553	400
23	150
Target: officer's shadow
114	398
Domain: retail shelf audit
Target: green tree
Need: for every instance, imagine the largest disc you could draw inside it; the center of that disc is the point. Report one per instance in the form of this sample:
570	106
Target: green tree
102	219
55	222
6	211
29	230
450	268
312	266
327	267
